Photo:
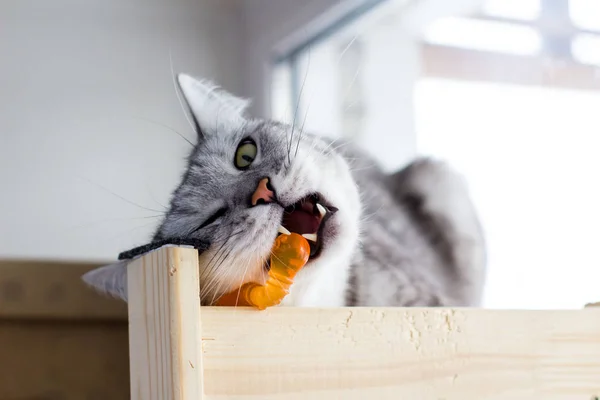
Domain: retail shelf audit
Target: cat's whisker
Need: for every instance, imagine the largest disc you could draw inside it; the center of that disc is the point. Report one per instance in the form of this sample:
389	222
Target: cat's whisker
213	272
281	261
237	299
277	258
154	199
339	147
356	74
298	105
305	155
166	127
302	130
123	198
343	52
275	280
367	217
326	151
206	282
208	265
239	291
222	281
362	168
219	278
213	269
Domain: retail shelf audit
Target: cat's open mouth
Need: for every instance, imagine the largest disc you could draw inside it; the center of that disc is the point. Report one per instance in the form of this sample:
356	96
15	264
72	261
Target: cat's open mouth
308	217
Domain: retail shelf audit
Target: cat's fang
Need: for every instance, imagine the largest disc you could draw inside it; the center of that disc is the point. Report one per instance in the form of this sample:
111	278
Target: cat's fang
322	210
281	229
310	236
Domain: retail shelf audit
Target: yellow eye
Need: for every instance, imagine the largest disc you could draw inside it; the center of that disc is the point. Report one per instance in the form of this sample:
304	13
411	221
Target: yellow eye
245	154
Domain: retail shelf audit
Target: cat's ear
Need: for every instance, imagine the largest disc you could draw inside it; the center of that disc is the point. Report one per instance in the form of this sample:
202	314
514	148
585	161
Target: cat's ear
214	109
111	279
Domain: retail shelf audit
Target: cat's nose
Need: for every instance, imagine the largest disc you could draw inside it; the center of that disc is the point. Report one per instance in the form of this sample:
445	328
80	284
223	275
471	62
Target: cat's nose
264	193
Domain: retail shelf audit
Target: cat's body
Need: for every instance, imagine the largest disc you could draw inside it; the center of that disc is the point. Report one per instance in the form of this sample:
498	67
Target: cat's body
406	239
421	242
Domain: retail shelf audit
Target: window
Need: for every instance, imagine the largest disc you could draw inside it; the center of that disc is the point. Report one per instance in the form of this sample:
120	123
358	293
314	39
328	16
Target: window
508	93
530	157
476	34
526	10
585	14
586	49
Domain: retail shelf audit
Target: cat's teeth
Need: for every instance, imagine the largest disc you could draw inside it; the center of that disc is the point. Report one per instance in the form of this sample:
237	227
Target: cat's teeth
310	236
281	229
322	210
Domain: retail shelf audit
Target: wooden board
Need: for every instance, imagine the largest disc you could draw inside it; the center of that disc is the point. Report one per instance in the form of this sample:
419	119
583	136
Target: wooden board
164	320
400	354
53	290
59	339
69	360
348	353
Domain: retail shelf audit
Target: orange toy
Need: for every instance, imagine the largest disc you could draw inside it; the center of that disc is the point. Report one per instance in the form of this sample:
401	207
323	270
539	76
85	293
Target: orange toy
290	253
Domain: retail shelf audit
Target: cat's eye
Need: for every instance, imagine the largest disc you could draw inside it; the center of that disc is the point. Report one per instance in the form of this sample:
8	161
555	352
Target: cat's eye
245	154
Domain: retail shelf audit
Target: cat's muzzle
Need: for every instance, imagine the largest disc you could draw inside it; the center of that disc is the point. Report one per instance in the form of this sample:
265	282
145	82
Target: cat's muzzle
308	217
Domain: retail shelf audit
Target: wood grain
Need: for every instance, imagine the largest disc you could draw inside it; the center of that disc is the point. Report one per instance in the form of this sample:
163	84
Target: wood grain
164	325
398	353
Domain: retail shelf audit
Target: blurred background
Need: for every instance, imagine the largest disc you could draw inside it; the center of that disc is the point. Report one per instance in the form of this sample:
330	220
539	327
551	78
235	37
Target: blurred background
505	90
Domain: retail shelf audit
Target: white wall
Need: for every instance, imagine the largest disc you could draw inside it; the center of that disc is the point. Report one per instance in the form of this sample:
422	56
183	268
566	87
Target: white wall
77	80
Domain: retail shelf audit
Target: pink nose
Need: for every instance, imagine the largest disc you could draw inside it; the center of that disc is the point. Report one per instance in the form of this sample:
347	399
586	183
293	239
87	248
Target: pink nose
263	193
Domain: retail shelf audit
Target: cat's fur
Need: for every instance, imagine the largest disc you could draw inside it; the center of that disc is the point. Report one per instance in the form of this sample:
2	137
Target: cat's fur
407	239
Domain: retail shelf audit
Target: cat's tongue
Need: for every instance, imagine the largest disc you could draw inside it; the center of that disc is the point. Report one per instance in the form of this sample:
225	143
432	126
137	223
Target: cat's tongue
301	222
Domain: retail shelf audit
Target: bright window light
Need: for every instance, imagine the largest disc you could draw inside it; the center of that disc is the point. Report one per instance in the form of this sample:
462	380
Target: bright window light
585	14
586	49
525	10
529	156
484	35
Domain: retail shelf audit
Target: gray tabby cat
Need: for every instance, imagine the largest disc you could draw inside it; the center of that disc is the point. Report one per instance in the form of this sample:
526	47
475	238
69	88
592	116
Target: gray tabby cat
407	239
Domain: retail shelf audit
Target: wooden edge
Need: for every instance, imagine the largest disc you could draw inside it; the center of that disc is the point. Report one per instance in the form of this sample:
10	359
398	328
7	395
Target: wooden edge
164	325
400	353
53	290
350	353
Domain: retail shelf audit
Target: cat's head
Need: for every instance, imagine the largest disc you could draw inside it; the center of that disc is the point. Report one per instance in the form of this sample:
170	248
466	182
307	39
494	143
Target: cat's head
245	179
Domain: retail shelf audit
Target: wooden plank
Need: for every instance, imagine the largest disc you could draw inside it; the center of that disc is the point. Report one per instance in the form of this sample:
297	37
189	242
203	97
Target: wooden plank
53	290
69	360
164	325
362	353
347	353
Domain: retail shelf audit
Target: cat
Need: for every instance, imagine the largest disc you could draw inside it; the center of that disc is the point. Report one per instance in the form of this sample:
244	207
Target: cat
410	238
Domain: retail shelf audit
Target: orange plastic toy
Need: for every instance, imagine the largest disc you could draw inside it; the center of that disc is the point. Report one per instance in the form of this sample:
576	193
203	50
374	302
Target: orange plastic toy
290	253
